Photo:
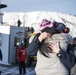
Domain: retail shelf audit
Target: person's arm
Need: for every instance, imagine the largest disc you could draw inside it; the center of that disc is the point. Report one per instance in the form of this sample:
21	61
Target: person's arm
34	45
68	58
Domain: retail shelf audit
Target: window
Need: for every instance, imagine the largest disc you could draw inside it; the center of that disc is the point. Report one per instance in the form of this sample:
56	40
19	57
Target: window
16	41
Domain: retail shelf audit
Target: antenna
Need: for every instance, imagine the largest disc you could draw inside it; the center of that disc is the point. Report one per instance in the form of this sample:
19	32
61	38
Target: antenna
2	5
1	14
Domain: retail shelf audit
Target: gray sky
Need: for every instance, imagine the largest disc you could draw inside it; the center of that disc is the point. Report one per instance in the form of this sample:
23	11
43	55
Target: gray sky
63	6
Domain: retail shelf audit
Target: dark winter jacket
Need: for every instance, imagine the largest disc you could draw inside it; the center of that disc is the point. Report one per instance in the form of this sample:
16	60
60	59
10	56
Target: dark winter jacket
1	55
21	54
67	58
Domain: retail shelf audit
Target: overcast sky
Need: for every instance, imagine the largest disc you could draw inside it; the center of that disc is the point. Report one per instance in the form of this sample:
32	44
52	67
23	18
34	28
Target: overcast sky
63	6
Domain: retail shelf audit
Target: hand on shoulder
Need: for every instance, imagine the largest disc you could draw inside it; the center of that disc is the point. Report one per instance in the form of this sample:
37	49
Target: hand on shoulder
43	36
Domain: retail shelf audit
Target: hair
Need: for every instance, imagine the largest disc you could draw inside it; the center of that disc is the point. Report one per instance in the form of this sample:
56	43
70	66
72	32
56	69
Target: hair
74	44
43	47
74	38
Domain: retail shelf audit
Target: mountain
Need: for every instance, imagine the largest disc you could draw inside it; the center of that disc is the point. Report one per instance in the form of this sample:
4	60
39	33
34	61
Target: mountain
33	19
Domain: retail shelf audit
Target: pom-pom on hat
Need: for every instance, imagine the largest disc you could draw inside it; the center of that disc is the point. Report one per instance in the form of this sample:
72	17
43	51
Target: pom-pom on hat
45	23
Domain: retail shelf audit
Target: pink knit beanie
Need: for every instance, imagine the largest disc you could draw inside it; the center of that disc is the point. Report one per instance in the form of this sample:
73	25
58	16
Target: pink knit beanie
45	23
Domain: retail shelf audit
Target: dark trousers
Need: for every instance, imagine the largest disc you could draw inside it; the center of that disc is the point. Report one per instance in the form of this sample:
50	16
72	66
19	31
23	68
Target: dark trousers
0	72
22	67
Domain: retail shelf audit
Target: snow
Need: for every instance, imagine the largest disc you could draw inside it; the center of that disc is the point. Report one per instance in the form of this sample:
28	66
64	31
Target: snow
4	63
14	70
33	19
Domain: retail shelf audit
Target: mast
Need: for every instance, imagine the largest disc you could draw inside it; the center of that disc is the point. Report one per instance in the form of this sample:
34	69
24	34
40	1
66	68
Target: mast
1	14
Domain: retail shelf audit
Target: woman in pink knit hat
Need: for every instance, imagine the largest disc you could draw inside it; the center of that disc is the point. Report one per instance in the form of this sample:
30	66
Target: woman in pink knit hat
51	59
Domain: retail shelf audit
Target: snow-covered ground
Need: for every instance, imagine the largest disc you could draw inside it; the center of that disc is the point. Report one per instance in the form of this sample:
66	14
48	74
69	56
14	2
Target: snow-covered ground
14	70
